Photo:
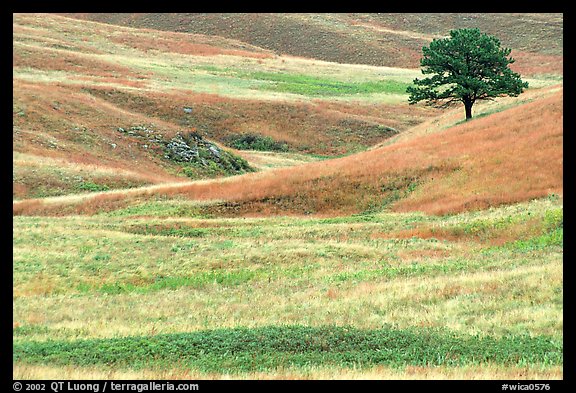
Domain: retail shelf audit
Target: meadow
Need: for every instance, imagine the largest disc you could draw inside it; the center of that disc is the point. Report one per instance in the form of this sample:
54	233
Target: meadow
368	239
159	291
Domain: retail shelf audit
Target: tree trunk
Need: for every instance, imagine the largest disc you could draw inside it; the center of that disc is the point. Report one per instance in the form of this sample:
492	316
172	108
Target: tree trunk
468	107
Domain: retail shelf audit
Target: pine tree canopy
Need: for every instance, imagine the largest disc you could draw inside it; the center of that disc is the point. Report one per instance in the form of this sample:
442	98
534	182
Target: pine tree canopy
465	67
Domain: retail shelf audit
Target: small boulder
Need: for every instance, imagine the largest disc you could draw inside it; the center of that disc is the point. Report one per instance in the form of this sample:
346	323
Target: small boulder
214	150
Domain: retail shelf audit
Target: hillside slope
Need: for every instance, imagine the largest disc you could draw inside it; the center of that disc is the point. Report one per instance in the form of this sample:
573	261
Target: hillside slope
377	240
383	39
76	83
485	162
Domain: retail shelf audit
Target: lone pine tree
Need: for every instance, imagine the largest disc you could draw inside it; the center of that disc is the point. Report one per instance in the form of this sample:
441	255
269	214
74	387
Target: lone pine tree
467	66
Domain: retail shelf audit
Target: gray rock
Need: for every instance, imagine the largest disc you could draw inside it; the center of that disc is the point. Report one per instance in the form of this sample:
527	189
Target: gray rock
180	150
214	150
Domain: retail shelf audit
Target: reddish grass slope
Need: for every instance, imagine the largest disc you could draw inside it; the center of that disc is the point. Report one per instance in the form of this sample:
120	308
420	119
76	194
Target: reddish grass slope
389	39
507	157
511	156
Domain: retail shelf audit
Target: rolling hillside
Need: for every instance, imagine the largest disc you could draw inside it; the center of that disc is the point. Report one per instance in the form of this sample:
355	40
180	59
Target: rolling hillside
209	196
77	83
382	39
486	162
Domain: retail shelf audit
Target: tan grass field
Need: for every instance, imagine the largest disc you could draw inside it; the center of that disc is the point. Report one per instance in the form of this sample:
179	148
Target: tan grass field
377	373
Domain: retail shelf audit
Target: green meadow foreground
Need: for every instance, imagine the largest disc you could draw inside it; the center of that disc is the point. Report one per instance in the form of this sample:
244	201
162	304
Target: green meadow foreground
122	294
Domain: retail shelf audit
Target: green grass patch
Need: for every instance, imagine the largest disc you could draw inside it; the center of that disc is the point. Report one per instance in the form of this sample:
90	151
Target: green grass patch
271	347
89	186
164	230
551	236
316	86
26	330
447	266
159	208
536	243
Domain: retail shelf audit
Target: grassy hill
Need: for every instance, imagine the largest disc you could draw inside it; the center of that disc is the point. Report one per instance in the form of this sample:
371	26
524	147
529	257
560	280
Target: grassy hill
196	206
77	83
382	39
473	165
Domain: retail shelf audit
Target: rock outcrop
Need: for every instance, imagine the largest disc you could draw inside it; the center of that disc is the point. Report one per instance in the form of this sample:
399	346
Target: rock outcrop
191	148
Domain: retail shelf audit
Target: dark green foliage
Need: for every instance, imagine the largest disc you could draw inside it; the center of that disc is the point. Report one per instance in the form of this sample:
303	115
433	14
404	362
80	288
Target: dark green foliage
466	67
203	157
89	186
256	142
271	347
198	158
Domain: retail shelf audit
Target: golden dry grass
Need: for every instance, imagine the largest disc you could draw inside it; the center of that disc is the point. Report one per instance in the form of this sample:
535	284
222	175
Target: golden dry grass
308	271
390	39
375	373
57	59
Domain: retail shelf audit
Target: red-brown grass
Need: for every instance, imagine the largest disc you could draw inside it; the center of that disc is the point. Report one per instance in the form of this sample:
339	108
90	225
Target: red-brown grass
317	127
507	157
102	202
504	158
173	43
528	63
84	127
29	207
19	190
378	39
89	206
60	60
